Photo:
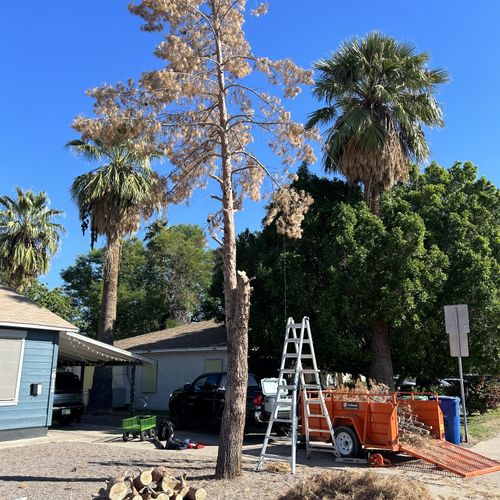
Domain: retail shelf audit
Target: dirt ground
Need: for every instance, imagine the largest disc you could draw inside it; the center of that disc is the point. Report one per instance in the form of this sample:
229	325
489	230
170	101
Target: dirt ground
74	464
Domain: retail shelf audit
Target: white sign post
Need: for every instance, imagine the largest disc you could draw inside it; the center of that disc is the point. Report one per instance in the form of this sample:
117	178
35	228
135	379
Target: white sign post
457	327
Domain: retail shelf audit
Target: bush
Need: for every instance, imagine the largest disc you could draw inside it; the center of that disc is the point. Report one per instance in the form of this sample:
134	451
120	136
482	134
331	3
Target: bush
481	394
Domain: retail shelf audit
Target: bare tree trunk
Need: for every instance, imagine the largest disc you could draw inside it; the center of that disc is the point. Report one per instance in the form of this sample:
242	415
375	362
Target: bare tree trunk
381	365
237	307
101	395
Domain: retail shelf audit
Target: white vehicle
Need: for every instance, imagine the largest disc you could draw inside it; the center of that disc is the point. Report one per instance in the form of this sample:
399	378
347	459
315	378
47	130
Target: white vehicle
270	391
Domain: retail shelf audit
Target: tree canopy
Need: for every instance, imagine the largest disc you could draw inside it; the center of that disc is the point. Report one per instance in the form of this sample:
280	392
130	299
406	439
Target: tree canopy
163	280
29	237
379	95
435	243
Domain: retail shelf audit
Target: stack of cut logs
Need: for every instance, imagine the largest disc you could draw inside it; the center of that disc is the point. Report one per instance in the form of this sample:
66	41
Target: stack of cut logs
151	484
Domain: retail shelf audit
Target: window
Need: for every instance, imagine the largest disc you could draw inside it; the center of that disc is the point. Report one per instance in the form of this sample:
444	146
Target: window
213	365
252	381
199	383
148	380
11	363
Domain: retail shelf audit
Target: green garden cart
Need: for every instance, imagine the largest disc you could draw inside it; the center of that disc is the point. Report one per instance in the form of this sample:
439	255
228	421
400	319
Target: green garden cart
141	426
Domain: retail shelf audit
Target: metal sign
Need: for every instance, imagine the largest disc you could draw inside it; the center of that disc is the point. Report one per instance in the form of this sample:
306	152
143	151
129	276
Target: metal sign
456	318
457	327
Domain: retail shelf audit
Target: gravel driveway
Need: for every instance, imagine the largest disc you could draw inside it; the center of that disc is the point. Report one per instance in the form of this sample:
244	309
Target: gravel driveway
76	463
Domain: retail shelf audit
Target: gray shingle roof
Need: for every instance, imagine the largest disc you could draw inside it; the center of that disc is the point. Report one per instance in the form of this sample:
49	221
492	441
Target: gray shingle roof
18	310
199	335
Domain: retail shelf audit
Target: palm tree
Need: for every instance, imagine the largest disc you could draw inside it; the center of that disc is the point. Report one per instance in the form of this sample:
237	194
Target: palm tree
29	237
379	95
112	200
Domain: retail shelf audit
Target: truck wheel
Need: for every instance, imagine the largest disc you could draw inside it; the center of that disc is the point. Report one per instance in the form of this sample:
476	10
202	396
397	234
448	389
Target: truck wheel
347	442
125	436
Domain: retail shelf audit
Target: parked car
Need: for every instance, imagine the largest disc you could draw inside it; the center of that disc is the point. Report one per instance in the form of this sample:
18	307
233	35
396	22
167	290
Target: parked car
203	400
68	398
264	405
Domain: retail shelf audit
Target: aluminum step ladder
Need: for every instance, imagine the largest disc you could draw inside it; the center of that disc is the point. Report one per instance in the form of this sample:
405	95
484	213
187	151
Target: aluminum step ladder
297	335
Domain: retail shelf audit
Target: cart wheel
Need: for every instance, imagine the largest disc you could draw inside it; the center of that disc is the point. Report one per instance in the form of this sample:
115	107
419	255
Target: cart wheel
151	433
125	436
347	442
135	434
142	435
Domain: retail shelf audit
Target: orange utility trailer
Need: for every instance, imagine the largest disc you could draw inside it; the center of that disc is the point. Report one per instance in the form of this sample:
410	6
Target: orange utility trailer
370	421
373	417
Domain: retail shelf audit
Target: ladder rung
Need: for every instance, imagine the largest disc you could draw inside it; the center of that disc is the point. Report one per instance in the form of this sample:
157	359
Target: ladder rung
294	325
289	387
312	401
309	370
315	415
287	370
324	431
284	403
291	355
269	456
297	341
282	420
294	355
311	386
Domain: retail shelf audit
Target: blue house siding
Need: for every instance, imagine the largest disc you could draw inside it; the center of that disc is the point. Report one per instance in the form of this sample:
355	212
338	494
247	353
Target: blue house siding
39	365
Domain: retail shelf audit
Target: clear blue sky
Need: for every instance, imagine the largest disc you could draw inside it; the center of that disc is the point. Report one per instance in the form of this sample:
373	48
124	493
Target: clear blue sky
51	52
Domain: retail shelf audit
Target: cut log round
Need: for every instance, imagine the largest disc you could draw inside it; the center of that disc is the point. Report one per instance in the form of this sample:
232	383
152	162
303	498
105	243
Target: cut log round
117	489
168	484
181	490
161	496
196	494
158	473
143	479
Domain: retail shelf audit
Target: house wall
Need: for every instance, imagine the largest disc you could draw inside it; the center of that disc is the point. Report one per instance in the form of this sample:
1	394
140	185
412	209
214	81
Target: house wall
174	370
33	414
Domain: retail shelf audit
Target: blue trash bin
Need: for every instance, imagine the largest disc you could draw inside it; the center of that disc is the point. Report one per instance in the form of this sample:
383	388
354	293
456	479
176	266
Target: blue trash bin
450	406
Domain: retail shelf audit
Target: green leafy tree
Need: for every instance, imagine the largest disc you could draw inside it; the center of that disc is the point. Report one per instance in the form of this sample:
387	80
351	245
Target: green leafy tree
162	282
434	243
29	237
57	301
112	200
379	94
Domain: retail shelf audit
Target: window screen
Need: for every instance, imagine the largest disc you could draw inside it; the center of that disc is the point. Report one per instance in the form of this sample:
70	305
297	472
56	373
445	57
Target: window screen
148	381
213	365
10	359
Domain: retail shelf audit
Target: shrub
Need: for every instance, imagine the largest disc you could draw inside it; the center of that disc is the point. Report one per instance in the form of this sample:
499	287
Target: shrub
481	394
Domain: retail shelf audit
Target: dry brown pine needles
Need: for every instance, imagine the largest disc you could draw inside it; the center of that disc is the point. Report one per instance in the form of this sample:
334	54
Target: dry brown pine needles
351	485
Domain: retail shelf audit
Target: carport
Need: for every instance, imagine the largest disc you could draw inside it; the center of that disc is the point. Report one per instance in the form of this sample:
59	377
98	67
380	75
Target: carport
78	350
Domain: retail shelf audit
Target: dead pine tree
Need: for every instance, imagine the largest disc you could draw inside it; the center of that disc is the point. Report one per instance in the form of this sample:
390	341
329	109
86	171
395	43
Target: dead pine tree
202	112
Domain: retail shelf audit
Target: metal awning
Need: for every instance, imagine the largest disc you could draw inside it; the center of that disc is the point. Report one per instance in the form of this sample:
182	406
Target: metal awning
76	349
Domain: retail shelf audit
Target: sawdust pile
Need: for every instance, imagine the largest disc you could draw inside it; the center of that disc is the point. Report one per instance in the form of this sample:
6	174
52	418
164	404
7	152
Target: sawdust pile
350	485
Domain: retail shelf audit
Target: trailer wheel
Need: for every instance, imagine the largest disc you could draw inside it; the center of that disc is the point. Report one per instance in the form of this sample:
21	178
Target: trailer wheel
347	442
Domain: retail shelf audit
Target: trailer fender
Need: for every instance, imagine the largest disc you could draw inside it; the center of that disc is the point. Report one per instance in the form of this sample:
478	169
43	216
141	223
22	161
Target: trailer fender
353	421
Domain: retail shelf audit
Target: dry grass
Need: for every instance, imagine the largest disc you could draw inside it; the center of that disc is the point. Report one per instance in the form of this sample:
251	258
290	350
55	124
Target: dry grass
357	486
280	467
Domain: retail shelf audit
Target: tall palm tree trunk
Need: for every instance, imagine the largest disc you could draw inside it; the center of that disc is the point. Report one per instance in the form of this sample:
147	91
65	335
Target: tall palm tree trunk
101	395
381	368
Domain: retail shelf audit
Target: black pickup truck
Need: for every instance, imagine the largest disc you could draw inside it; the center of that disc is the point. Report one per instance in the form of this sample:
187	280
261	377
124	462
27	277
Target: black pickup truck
203	400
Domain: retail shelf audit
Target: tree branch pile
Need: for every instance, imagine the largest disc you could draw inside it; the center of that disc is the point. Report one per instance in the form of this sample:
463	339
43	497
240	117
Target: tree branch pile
152	484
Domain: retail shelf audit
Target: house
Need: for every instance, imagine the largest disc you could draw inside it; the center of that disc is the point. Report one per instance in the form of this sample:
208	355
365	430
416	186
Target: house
181	354
33	343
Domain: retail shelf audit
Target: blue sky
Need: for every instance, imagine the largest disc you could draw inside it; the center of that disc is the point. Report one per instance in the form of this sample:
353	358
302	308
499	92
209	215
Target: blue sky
51	52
